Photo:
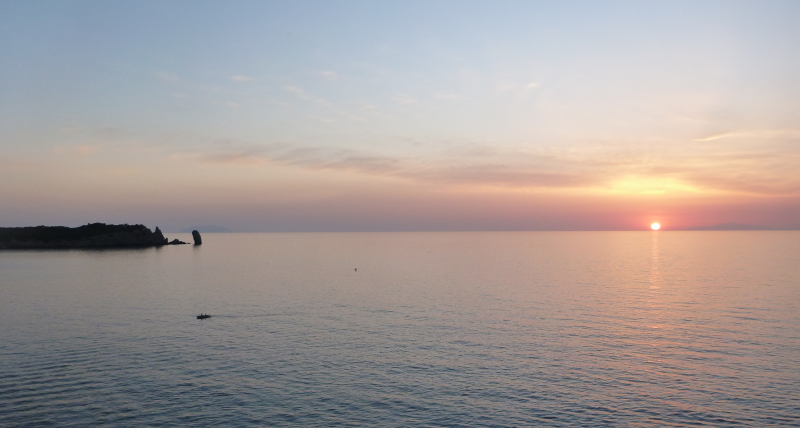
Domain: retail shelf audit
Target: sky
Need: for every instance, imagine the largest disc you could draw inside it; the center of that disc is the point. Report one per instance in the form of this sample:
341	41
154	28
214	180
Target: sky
301	116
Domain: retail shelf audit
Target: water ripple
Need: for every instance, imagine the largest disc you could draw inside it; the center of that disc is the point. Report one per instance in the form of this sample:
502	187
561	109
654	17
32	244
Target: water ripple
439	330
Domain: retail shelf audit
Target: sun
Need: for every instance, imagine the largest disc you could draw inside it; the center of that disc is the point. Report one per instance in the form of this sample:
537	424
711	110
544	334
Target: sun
655	226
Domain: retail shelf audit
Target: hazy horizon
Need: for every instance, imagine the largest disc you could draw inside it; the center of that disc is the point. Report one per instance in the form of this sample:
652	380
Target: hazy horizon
420	116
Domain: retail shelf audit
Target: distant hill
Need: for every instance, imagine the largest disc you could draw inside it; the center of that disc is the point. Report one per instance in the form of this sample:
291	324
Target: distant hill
207	229
734	226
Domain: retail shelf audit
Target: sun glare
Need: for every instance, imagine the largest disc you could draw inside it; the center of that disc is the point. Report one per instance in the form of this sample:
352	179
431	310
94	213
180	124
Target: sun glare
655	226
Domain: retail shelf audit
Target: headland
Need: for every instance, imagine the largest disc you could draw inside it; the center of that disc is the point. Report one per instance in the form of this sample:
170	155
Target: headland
93	235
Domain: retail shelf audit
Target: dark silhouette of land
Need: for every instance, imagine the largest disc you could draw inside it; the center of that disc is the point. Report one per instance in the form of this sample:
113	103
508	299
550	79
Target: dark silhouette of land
94	235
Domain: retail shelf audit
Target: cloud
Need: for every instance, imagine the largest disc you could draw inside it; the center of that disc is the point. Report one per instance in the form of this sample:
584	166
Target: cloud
532	173
80	150
643	168
504	87
520	90
754	182
505	175
404	100
297	91
766	172
448	97
382	165
84	149
328	75
167	77
755	134
234	157
332	109
24	164
241	79
715	136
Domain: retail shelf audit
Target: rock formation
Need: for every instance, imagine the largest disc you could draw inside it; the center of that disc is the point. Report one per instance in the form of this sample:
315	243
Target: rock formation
94	235
197	239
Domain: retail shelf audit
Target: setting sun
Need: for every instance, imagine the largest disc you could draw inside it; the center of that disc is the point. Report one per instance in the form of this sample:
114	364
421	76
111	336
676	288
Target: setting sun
655	226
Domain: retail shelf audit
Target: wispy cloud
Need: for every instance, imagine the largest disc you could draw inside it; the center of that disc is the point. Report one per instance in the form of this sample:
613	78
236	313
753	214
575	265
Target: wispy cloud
754	134
167	77
516	89
85	149
328	75
505	175
533	173
331	108
297	91
25	164
715	136
404	100
231	157
241	79
765	172
80	150
448	96
504	87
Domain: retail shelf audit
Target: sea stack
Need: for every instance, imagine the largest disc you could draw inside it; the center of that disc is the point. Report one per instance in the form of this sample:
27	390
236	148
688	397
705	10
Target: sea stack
159	238
197	239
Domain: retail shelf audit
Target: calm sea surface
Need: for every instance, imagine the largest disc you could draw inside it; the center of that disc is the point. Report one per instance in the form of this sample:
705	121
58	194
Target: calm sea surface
625	329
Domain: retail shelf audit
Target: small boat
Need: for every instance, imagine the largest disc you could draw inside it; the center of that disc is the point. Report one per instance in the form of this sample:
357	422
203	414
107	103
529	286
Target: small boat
203	316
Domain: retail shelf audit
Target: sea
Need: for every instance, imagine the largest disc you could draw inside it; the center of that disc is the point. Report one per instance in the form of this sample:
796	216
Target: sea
452	329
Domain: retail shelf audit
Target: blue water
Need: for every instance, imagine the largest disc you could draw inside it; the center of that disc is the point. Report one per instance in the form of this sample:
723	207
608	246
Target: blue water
627	329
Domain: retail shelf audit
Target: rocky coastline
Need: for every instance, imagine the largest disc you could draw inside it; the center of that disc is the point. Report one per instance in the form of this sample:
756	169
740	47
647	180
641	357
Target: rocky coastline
93	235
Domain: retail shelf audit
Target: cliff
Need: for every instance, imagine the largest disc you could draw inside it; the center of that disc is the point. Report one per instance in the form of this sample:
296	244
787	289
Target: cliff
94	235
